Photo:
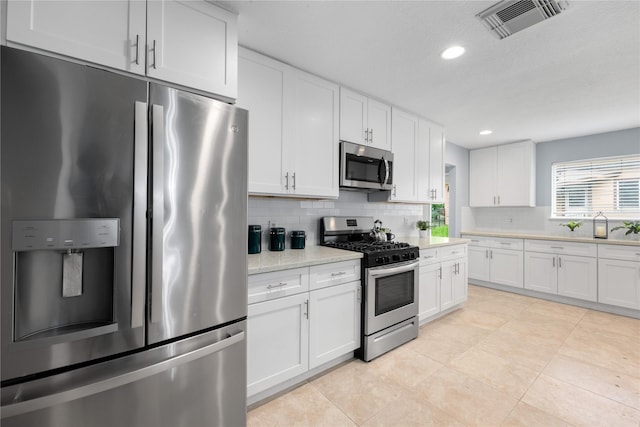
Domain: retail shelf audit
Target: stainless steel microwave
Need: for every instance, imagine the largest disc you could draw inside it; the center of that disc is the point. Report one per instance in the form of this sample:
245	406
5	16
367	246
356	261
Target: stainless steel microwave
365	167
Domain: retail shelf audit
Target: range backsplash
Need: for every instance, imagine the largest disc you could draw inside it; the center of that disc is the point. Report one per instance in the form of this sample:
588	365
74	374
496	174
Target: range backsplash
303	214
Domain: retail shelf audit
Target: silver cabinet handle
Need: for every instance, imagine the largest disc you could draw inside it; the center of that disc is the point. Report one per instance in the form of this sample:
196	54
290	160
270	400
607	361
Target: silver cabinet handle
508	244
366	135
498	199
491	254
557	247
286	185
117	380
342	273
139	253
559	262
494	200
440	273
306	308
486	253
455	252
554	261
137	49
157	217
293	186
428	256
153	49
371	135
475	241
279	285
359	293
394	190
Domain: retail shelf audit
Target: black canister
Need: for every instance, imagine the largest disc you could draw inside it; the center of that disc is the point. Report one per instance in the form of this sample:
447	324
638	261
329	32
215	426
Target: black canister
276	238
297	239
255	239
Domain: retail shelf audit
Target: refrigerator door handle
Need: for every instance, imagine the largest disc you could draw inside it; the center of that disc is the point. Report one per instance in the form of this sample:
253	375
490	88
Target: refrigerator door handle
139	215
117	380
157	220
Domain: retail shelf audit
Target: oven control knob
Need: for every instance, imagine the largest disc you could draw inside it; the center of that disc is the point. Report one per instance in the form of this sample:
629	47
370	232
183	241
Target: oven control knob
386	259
379	260
412	255
396	257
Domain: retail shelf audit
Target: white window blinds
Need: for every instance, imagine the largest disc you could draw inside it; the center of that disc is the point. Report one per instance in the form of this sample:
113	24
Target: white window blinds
584	187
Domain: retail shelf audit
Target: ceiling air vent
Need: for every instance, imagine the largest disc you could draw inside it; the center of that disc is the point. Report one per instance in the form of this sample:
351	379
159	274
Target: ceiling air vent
511	16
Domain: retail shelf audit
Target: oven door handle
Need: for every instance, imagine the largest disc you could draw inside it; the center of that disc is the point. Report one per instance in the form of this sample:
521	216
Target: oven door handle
386	271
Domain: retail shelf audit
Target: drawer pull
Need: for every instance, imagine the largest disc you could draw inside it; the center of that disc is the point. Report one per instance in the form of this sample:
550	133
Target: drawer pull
433	256
279	285
475	241
455	252
502	243
342	273
557	247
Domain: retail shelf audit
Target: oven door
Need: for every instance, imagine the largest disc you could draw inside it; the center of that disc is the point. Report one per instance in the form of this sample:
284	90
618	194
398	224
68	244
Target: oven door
391	295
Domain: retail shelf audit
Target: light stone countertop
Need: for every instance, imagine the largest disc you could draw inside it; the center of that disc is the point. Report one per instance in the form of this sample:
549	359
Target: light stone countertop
433	241
608	241
268	261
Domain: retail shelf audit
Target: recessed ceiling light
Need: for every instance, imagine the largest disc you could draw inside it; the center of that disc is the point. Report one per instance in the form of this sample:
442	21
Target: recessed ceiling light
452	52
486	132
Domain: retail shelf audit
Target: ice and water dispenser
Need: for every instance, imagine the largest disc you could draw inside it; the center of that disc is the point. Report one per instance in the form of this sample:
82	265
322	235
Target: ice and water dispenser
64	277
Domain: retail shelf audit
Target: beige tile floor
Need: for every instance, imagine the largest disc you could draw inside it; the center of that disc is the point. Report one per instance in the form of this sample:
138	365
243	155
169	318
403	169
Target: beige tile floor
502	360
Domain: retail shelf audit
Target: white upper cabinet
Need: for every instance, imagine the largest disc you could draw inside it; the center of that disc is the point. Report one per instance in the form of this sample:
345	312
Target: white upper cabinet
261	91
111	33
193	43
293	128
430	167
404	142
311	135
502	175
190	43
364	120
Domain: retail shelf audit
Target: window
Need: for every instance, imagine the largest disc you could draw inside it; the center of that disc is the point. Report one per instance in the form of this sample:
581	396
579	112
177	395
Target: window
584	187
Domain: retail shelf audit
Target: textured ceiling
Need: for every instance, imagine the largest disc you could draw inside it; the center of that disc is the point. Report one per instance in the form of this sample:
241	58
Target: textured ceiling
575	74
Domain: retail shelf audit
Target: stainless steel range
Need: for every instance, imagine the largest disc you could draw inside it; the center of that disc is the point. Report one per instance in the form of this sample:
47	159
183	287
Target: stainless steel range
390	288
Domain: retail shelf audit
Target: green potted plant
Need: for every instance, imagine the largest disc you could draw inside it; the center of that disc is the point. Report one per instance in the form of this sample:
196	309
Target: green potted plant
630	226
572	225
423	228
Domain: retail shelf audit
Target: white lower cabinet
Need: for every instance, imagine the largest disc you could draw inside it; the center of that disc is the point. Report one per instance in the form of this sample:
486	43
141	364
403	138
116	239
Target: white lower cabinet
290	334
442	280
277	341
562	268
334	322
619	276
497	260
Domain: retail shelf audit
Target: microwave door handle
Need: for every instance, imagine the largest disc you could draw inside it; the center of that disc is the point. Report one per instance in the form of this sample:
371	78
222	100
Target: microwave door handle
380	179
386	171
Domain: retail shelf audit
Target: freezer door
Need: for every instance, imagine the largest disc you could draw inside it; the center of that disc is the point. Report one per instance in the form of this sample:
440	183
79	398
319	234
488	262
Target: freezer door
199	381
73	152
198	271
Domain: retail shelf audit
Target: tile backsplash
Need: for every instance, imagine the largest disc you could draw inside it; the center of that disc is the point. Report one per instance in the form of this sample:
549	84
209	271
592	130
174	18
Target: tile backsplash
305	214
529	221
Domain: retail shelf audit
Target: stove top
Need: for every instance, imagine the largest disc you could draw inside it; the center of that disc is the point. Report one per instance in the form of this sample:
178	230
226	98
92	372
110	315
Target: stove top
350	234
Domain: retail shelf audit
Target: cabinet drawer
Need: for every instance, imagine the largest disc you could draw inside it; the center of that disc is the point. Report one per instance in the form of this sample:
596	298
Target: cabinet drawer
427	256
627	253
455	251
477	240
268	286
325	275
561	248
495	242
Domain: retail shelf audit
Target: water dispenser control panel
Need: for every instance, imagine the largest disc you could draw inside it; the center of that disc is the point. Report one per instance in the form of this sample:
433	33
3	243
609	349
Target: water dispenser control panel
63	234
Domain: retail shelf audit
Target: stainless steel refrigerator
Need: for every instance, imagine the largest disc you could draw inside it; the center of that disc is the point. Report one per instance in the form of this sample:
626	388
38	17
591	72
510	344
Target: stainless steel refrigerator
123	250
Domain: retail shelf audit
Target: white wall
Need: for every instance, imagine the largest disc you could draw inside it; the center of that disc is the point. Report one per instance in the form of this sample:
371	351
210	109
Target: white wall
297	214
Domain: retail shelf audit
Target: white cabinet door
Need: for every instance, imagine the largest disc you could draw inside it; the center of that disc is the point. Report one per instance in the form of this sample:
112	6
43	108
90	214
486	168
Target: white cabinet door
379	124
193	43
507	267
460	281
516	183
619	283
482	177
311	135
353	116
446	284
404	130
334	322
540	272
261	91
110	33
479	263
424	193
429	291
578	277
436	163
277	341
